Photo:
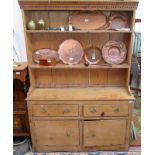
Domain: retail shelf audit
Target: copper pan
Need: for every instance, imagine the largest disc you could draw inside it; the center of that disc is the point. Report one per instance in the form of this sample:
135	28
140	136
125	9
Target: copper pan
93	55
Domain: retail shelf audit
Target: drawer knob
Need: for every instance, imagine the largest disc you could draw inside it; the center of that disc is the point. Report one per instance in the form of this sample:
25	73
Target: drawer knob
116	110
103	113
66	111
44	109
93	110
68	134
93	135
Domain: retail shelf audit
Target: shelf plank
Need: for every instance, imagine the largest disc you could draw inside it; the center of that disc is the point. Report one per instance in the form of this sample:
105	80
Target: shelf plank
77	31
79	66
89	93
23	134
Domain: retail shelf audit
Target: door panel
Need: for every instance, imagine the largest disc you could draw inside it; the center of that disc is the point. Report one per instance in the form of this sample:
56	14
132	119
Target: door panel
57	133
104	132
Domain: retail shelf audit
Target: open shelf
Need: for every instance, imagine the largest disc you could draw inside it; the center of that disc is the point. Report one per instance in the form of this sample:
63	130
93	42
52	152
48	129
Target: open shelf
78	31
79	66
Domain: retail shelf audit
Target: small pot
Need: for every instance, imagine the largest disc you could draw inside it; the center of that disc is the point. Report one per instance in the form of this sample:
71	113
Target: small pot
41	24
31	25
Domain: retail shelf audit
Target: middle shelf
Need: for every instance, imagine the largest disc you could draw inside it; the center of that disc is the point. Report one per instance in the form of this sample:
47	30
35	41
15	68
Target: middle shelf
78	31
79	66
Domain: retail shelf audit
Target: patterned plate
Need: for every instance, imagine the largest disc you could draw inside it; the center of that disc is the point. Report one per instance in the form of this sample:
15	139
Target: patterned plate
118	21
70	51
114	52
45	53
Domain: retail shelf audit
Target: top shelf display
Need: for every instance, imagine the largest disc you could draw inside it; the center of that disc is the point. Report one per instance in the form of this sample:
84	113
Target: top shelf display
79	21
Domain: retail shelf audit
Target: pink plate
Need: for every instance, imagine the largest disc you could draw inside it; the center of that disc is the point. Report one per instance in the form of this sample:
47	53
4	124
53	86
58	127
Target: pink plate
70	51
114	52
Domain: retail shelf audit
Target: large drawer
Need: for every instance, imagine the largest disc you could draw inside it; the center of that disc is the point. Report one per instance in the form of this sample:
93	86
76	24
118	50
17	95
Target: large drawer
106	110
55	110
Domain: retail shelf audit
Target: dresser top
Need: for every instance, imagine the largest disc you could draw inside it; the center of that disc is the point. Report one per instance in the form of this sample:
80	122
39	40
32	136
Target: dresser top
106	93
78	4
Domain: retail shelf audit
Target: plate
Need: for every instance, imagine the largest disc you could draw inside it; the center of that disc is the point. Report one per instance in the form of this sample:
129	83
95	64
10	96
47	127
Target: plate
88	21
118	21
46	54
114	52
70	51
93	55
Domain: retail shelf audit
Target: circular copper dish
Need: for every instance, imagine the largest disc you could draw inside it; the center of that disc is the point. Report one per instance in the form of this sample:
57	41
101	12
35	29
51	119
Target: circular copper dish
114	52
93	55
70	51
45	53
118	21
88	21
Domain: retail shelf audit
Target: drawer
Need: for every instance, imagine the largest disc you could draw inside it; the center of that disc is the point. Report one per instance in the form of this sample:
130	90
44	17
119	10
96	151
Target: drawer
57	133
55	110
104	132
106	110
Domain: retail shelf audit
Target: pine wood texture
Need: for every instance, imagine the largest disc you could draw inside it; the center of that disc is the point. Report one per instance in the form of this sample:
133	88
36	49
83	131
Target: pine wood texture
78	107
97	133
111	93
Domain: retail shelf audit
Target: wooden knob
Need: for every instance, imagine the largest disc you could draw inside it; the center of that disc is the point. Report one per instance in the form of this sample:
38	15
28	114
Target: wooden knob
44	109
93	110
102	114
116	110
68	134
93	135
66	111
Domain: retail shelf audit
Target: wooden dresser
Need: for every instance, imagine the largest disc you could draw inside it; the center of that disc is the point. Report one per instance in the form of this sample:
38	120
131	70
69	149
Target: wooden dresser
78	107
20	89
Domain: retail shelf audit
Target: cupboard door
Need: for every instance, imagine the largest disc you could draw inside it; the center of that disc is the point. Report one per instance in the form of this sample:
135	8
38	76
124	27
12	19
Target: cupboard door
57	133
104	132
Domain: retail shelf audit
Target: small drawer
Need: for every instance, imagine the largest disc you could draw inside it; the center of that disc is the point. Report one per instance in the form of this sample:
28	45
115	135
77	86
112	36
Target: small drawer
105	110
55	110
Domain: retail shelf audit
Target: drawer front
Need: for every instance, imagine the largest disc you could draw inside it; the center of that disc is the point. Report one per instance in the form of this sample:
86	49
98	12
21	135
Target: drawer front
55	110
106	110
104	132
57	133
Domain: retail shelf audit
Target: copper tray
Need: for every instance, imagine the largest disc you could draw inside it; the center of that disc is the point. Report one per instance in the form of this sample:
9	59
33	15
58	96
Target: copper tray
93	55
118	21
46	54
70	51
114	52
88	21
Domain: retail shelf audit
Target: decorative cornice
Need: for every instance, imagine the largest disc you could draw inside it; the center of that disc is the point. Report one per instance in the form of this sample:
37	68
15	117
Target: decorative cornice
78	4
